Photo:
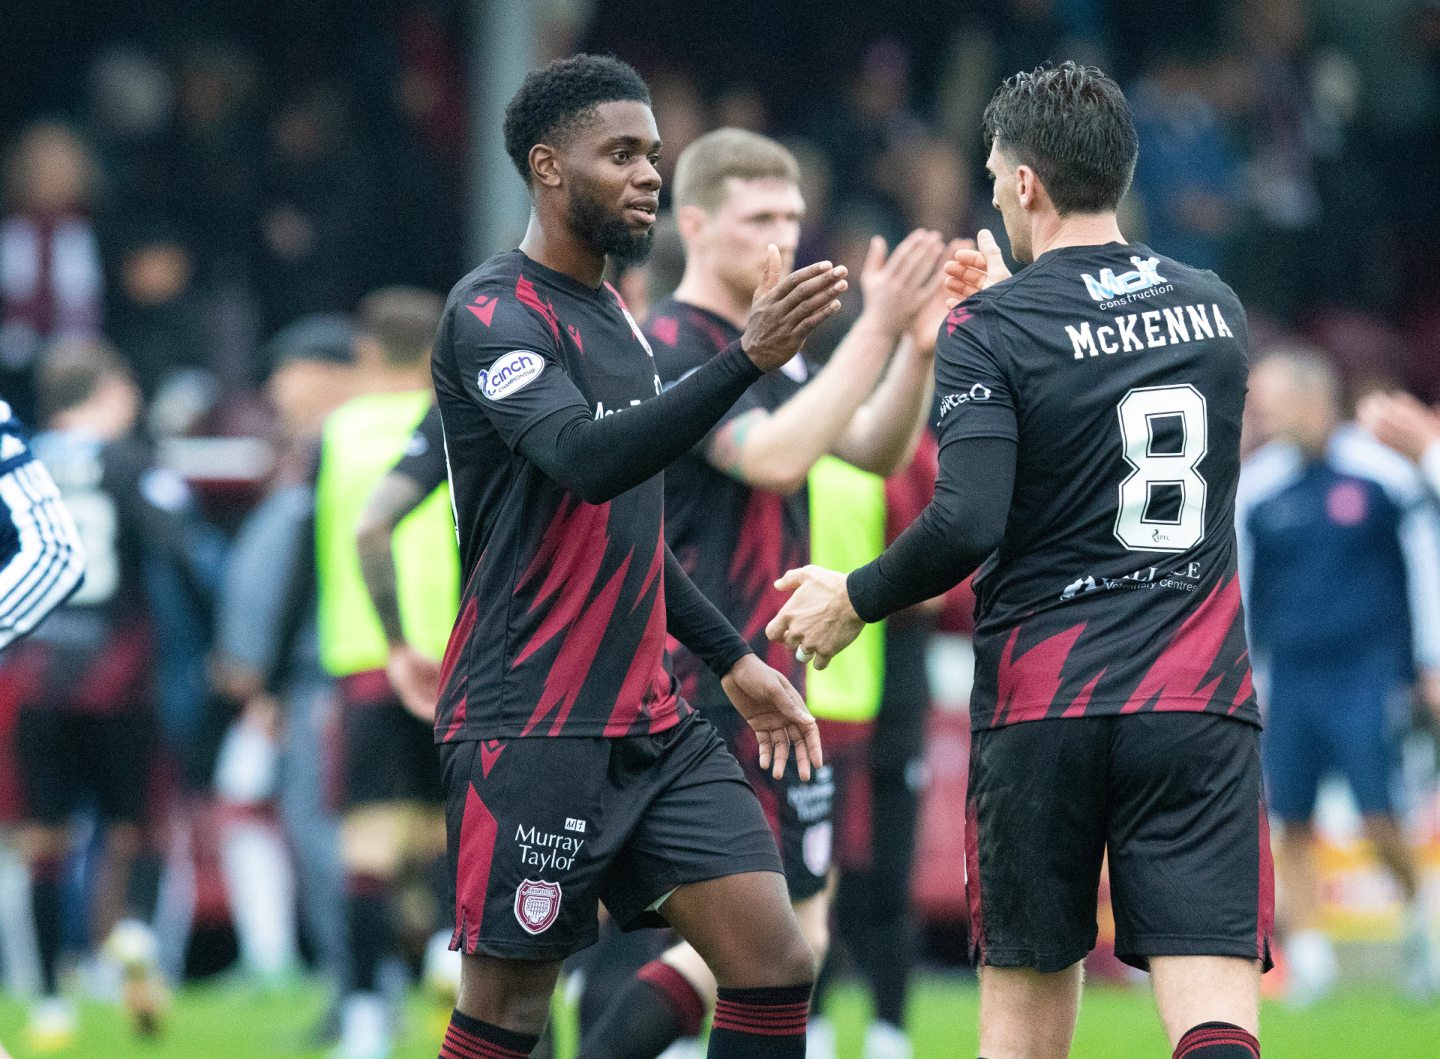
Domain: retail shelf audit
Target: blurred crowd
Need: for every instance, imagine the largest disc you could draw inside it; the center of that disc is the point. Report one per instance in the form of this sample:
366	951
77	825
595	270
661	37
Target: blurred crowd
208	208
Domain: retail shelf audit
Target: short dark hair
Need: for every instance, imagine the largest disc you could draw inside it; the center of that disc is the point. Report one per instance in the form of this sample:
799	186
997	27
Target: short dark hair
403	321
71	370
1073	126
561	97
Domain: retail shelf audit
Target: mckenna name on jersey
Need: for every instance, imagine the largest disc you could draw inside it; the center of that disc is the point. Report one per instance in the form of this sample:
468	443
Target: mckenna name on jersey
1154	329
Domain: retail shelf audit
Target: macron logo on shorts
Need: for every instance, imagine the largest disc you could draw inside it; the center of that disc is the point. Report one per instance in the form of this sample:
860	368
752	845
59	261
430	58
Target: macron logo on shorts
511	373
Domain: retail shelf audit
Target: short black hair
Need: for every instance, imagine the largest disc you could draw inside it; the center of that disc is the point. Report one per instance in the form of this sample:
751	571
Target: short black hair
1073	126
561	97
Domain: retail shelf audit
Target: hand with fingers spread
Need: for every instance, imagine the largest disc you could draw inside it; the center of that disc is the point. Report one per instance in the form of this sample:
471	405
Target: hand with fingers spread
785	311
899	285
776	712
972	269
818	621
925	331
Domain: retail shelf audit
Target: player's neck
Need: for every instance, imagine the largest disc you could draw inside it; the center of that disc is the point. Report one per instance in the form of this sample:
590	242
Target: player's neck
1081	229
708	293
556	247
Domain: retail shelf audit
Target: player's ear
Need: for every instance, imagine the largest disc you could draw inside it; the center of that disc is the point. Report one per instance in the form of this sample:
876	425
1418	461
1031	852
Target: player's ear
1026	186
545	165
690	220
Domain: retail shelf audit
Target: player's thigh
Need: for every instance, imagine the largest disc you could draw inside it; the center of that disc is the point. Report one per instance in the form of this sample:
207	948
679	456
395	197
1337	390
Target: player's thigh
512	994
120	752
1189	844
1035	837
532	826
801	815
1366	740
1295	750
51	773
744	928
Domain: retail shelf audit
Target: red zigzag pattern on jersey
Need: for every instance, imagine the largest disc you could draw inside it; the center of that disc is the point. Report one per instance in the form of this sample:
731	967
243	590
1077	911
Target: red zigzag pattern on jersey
1191	656
647	686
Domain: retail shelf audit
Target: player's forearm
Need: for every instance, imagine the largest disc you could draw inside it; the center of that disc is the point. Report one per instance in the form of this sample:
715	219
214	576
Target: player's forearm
697	623
779	450
885	432
598	459
959	529
377	568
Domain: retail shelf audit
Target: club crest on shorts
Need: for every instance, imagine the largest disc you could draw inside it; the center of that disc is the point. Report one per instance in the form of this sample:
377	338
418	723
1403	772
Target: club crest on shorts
537	905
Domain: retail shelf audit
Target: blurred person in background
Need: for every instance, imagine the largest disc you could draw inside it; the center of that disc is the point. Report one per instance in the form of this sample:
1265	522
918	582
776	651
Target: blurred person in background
87	730
266	660
1340	559
392	819
1402	422
736	506
51	279
316	214
158	319
873	702
1188	176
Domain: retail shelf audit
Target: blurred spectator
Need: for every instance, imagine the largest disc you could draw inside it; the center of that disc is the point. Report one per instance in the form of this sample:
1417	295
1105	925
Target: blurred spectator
316	210
1340	561
51	280
1407	426
1188	177
158	319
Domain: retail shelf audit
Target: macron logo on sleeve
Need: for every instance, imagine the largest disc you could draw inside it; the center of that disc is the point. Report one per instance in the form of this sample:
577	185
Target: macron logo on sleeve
510	373
484	309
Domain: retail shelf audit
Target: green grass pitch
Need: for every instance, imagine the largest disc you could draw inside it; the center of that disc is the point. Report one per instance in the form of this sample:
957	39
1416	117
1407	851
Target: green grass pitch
210	1022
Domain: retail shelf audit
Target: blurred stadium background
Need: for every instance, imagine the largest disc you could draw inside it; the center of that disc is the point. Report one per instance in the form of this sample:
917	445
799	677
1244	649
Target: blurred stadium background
226	168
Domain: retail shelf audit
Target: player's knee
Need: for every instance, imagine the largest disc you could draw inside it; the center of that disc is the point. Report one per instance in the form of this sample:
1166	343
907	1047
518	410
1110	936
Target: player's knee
122	841
795	963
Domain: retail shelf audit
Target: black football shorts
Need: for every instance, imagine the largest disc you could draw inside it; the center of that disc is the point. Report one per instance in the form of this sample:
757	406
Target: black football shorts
68	758
1175	800
542	829
387	753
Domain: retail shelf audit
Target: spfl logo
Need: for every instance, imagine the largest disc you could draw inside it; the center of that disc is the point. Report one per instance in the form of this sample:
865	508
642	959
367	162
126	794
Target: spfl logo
1110	286
514	371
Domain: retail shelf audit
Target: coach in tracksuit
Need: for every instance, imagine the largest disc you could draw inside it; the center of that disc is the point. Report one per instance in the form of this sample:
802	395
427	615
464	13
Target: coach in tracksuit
1340	557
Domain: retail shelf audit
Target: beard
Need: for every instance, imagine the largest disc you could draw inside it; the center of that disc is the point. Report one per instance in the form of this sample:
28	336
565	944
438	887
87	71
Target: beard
595	223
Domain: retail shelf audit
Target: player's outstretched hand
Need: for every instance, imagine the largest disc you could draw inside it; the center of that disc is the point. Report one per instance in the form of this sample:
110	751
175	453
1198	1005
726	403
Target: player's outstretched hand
818	621
416	679
1400	421
899	285
974	268
774	709
785	310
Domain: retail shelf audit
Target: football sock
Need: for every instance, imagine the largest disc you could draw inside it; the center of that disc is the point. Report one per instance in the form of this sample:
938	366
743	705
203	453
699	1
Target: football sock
656	1009
760	1023
471	1038
368	898
46	880
1217	1040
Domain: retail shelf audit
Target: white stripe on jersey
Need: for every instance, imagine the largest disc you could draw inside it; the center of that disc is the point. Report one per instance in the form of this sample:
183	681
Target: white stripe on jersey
49	563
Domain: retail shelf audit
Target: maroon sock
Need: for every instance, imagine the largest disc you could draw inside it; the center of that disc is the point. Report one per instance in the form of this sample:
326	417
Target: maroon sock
658	1007
471	1038
760	1023
1217	1040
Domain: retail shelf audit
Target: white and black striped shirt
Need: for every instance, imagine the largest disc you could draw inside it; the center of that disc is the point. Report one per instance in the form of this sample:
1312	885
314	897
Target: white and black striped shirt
41	561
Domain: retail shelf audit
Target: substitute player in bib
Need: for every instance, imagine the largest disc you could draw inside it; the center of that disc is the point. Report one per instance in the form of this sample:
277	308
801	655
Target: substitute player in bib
736	507
1089	428
575	773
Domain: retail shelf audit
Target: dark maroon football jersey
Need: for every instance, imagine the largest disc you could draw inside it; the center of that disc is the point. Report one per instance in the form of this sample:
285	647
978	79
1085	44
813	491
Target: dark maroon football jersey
732	540
561	630
1121	376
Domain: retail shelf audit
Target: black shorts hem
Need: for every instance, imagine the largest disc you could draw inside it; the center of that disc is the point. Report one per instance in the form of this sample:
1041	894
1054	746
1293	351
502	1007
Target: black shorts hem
642	918
1043	962
1137	951
540	952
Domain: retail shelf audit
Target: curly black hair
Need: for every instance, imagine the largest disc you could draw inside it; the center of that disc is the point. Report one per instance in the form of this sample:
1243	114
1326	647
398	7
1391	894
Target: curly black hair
561	97
1073	126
